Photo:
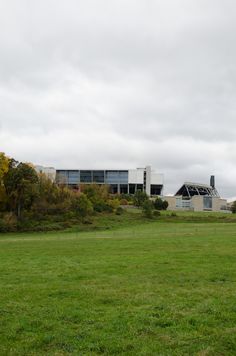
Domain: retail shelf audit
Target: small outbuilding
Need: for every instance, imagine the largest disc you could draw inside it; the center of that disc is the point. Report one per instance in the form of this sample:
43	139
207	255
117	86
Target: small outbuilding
197	197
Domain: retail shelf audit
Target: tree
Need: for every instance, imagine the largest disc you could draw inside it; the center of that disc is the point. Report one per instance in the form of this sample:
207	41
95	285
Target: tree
21	184
82	205
98	196
139	198
165	204
147	209
4	166
160	204
233	207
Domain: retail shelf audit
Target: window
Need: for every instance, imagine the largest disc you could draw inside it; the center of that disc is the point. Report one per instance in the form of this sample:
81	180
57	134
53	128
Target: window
207	203
98	176
73	177
62	177
156	189
85	176
124	188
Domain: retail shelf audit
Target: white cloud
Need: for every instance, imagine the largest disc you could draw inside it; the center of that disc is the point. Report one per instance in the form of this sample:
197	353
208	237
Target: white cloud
128	83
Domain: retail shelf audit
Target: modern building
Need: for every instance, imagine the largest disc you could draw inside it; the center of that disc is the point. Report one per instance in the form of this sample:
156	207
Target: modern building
197	197
50	172
119	181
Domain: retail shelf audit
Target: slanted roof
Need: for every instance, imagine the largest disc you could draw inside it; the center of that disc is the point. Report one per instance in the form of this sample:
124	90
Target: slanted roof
189	189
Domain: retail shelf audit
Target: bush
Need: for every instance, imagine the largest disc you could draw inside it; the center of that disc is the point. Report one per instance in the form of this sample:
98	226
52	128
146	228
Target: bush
165	204
139	198
8	223
160	204
233	207
103	206
82	205
113	203
119	211
147	209
127	197
3	226
156	213
124	202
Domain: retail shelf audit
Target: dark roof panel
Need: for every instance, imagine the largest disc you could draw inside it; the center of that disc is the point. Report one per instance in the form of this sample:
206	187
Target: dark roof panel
189	189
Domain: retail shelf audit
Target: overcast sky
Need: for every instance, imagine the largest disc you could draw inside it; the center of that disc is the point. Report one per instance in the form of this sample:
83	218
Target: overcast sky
121	84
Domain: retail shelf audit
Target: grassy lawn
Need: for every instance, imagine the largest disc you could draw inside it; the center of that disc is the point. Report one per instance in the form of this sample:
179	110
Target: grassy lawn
158	288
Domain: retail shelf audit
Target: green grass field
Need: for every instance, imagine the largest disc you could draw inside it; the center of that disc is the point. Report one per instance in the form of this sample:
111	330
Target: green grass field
158	288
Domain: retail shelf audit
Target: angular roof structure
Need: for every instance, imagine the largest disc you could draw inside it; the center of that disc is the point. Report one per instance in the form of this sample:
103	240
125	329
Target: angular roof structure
189	189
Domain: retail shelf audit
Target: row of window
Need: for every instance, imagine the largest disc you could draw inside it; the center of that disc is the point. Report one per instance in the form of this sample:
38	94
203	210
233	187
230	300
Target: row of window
76	177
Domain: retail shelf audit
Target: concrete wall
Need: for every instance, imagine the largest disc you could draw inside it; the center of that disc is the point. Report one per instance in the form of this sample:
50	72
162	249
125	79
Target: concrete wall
157	178
218	204
135	176
196	203
171	201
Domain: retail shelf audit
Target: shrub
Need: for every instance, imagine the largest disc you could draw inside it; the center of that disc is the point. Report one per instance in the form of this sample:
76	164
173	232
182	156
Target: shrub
127	197
124	202
139	198
3	226
103	206
113	203
156	213
165	204
82	205
10	220
147	209
119	211
160	204
233	207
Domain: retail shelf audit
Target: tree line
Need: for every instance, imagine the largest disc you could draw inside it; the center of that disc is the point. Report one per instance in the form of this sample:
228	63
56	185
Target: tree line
26	196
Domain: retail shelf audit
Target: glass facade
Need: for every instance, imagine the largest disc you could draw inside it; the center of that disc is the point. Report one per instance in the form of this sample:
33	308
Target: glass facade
156	189
91	176
73	177
116	177
85	176
118	180
62	177
98	176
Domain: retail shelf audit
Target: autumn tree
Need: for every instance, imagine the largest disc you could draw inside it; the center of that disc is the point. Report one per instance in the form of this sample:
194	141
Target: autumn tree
21	184
4	166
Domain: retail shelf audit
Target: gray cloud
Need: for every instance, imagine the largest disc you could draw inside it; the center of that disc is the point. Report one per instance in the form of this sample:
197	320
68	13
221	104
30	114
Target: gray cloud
121	84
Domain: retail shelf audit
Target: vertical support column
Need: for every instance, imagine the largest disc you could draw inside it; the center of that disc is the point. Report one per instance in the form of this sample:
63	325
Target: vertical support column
148	180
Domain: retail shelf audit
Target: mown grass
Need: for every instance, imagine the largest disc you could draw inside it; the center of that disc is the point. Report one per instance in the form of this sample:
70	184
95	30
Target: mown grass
155	288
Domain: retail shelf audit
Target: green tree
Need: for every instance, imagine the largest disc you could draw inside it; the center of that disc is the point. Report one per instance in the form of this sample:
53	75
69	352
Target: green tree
98	195
165	204
139	198
160	204
82	205
147	209
233	207
21	184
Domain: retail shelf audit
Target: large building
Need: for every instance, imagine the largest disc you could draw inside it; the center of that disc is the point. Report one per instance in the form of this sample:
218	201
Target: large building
119	181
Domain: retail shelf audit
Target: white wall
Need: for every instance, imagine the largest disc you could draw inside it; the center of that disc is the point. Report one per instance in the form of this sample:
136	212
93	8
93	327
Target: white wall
157	178
135	176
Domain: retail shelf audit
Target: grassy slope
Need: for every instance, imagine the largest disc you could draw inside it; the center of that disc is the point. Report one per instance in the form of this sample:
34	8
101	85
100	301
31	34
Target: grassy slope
147	289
